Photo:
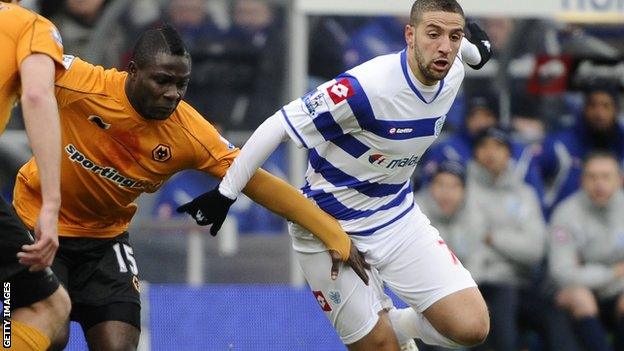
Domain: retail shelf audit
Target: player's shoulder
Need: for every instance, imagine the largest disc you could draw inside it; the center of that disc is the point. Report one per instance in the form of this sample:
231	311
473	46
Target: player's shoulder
378	70
188	117
14	14
380	76
84	77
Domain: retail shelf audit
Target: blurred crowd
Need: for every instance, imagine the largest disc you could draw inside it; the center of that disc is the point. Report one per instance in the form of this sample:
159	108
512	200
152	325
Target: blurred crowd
525	185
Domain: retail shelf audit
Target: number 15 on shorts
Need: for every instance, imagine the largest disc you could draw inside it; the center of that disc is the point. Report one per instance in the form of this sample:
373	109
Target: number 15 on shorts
123	267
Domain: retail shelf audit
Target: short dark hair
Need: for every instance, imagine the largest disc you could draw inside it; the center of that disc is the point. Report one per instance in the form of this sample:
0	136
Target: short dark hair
597	154
451	167
153	41
421	6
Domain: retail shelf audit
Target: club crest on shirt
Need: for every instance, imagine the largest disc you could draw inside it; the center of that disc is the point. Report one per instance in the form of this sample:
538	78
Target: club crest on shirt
334	296
161	153
438	125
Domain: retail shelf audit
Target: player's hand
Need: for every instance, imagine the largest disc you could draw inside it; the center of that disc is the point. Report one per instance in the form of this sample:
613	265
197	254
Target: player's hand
356	261
480	39
208	208
40	255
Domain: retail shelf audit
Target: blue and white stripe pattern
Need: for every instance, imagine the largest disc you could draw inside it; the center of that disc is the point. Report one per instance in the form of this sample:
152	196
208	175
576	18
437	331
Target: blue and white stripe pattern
366	131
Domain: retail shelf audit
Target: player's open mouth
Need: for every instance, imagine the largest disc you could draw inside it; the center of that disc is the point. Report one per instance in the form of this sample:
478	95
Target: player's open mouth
441	64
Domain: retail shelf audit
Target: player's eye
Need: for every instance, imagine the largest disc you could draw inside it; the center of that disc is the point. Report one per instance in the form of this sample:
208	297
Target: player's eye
433	35
161	80
456	37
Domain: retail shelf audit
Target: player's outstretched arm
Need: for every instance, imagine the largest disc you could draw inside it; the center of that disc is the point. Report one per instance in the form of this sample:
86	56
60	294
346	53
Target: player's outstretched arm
477	50
283	199
43	127
286	201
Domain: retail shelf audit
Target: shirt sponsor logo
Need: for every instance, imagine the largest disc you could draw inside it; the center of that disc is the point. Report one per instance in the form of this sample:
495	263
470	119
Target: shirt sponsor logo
340	91
385	162
108	173
400	130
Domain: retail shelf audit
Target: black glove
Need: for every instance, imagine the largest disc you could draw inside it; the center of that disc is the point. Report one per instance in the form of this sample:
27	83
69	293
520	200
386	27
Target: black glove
480	38
208	208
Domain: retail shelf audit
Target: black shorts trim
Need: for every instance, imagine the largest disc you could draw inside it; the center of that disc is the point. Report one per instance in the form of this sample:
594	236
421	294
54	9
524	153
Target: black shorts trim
88	316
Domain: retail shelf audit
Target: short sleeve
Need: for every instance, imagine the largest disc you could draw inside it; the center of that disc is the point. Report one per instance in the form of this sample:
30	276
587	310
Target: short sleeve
214	154
325	113
41	37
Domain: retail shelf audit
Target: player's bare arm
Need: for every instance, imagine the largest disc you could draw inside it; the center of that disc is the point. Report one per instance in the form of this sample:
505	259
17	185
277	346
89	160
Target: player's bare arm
42	125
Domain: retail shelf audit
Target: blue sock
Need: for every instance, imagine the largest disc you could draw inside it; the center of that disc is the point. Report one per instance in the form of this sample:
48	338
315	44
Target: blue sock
593	334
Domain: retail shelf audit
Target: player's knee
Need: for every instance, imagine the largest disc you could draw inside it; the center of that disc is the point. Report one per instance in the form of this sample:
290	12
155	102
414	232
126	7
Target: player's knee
61	339
57	306
473	329
474	332
117	344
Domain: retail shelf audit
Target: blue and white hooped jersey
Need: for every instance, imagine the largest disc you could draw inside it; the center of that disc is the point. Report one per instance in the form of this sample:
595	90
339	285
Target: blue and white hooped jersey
366	130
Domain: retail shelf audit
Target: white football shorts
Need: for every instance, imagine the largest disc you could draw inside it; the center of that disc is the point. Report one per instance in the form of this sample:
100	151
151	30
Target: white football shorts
408	256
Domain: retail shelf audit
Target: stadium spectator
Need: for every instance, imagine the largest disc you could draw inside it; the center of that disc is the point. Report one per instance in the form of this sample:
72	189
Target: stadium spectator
237	71
381	36
560	161
587	252
460	224
459	147
84	24
514	239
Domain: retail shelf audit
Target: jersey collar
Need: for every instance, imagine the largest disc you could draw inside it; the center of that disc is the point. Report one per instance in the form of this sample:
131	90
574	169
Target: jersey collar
410	80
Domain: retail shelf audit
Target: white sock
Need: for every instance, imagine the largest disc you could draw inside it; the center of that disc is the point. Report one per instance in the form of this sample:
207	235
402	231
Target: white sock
409	324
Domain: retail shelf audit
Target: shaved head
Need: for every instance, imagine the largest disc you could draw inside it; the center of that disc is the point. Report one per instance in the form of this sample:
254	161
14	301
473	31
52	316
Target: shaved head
421	6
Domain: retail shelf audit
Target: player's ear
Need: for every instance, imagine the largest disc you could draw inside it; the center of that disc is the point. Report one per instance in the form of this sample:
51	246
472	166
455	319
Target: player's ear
132	68
410	32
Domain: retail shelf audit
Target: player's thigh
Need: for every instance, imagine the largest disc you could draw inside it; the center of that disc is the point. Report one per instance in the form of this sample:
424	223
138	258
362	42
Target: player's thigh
105	286
423	269
113	335
351	306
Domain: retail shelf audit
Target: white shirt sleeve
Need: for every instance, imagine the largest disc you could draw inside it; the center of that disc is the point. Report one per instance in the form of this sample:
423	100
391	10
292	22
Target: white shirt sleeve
254	153
325	113
469	52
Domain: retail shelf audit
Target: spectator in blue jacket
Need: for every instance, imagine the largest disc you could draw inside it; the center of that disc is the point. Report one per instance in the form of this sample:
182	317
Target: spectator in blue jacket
459	147
561	159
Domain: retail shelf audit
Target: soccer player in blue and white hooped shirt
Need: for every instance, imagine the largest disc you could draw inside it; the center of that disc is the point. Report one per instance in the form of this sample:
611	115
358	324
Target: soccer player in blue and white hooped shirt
365	132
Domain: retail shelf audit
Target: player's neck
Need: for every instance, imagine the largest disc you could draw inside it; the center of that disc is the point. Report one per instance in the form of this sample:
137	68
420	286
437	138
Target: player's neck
413	66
